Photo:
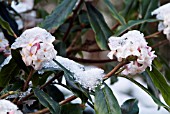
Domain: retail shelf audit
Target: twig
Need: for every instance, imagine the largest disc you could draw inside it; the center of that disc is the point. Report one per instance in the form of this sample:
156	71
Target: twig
91	61
115	69
161	43
153	35
115	26
43	86
7	94
28	79
45	110
72	20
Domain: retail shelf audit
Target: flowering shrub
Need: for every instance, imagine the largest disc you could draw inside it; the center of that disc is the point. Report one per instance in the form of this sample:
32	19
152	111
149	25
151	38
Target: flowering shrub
47	59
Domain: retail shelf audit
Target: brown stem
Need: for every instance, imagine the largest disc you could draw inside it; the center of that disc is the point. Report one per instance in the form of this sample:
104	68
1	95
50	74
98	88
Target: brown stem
28	79
115	69
7	94
72	20
153	35
43	86
91	61
115	26
161	43
45	110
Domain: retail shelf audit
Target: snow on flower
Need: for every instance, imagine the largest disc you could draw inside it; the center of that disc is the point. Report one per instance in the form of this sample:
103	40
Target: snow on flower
37	47
3	43
163	13
88	77
7	107
132	44
23	6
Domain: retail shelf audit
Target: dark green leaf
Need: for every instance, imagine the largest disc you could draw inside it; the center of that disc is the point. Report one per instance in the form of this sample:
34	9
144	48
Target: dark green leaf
146	7
71	109
74	86
130	10
151	87
105	101
157	101
130	107
8	72
132	23
99	26
115	14
18	59
61	48
47	101
6	26
53	91
160	82
59	15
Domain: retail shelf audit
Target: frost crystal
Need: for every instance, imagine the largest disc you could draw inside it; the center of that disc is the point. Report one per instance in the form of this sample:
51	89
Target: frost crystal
163	13
37	47
89	78
132	44
8	107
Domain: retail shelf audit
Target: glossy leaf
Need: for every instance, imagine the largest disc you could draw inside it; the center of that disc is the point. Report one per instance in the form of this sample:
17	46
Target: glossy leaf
59	15
8	72
157	101
130	107
74	86
160	82
47	101
105	101
71	109
6	26
98	24
131	24
115	14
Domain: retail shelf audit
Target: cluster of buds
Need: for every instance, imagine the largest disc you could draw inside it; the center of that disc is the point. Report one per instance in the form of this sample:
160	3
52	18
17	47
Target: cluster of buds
131	44
163	13
36	47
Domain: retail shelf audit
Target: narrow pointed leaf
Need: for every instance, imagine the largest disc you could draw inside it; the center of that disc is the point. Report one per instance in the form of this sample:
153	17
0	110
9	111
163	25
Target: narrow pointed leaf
72	109
59	15
160	82
114	12
8	72
98	24
156	100
6	26
47	101
74	86
131	24
105	101
146	7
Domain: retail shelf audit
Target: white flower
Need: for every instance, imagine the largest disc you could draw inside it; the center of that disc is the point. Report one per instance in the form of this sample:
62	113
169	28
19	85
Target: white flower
132	44
163	13
88	77
3	43
8	107
37	47
23	6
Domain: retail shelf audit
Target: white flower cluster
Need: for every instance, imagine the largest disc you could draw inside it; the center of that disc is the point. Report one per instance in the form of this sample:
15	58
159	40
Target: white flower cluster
163	13
89	78
3	43
37	47
7	107
132	44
